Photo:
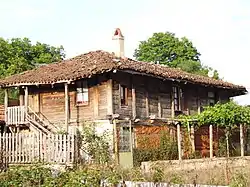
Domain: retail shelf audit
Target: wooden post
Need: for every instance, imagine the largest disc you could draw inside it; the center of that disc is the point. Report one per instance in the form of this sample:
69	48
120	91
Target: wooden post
241	141
172	103
133	103
116	143
179	140
26	97
147	108
159	106
199	105
66	89
5	108
192	138
110	97
131	139
211	140
96	99
21	101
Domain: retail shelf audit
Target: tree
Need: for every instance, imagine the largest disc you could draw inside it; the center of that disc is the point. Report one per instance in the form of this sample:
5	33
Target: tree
165	48
18	55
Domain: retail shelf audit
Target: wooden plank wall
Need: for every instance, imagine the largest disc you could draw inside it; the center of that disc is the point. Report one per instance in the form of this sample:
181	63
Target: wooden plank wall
153	97
51	102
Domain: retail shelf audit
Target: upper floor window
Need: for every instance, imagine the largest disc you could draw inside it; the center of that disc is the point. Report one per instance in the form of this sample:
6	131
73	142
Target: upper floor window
211	98
82	92
177	93
124	95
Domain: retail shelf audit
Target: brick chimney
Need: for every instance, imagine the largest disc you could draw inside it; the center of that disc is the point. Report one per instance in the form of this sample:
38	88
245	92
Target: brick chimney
118	43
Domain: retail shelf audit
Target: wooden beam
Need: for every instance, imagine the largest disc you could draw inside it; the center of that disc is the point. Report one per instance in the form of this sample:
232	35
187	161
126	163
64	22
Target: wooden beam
110	97
241	141
21	97
5	108
179	141
96	103
211	140
133	102
159	106
26	97
172	104
66	94
192	138
147	107
115	140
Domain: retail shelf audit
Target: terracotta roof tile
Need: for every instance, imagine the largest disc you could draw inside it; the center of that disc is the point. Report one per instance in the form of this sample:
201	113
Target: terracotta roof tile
97	62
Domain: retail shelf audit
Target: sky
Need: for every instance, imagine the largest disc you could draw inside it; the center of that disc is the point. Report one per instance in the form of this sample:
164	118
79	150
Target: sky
218	28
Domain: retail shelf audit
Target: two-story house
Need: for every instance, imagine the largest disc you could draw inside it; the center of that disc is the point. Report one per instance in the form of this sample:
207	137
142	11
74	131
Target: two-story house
98	85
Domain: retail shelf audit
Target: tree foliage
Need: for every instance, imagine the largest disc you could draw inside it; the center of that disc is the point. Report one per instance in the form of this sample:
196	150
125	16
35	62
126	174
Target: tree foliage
166	48
18	55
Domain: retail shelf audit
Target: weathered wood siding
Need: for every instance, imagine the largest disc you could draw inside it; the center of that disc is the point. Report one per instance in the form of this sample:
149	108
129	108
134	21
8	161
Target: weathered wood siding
153	96
51	102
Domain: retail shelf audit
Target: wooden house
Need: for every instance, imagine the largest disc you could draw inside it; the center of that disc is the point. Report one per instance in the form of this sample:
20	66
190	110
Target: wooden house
99	85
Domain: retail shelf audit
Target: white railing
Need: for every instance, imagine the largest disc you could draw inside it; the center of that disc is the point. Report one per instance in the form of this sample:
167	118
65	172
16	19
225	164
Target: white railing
30	148
16	115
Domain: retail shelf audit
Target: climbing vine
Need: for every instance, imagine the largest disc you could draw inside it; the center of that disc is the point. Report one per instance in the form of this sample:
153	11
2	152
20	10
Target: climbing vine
226	115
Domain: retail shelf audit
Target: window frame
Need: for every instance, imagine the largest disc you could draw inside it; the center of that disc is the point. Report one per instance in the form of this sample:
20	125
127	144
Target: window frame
211	96
177	97
123	90
84	89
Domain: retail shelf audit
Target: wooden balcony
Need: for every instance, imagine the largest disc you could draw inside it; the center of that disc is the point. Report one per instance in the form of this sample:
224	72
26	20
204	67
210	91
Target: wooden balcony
16	115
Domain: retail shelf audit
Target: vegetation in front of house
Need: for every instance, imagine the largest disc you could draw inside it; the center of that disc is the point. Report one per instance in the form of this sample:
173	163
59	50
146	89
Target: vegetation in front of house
166	150
94	175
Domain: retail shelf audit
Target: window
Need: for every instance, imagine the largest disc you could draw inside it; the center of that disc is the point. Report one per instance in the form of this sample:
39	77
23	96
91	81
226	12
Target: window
124	95
211	98
82	93
177	98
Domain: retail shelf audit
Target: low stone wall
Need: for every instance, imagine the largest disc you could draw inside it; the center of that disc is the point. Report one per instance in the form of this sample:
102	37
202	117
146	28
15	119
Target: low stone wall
196	164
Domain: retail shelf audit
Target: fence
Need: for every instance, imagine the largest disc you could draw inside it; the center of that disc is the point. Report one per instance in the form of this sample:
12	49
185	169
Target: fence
30	148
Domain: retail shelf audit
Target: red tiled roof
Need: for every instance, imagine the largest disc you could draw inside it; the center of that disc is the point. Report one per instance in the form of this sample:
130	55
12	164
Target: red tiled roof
97	62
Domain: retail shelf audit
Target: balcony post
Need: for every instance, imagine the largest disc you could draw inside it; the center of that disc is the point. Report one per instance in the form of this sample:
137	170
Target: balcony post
66	89
5	109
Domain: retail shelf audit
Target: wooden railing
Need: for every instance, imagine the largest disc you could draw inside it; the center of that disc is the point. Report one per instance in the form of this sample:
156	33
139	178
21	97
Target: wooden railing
30	148
16	115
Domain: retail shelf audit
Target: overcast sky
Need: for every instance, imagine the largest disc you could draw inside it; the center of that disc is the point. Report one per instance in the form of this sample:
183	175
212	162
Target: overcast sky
218	28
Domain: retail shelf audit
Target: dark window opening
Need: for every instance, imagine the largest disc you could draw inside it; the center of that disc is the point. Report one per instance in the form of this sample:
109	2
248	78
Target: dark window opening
124	95
211	99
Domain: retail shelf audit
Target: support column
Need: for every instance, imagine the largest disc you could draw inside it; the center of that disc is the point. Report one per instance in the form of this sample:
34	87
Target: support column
211	140
172	104
110	97
26	102
116	149
21	99
133	102
147	107
5	108
241	141
179	141
159	106
66	89
26	97
192	138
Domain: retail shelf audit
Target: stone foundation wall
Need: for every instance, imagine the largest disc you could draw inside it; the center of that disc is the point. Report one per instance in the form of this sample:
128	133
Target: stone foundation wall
196	164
